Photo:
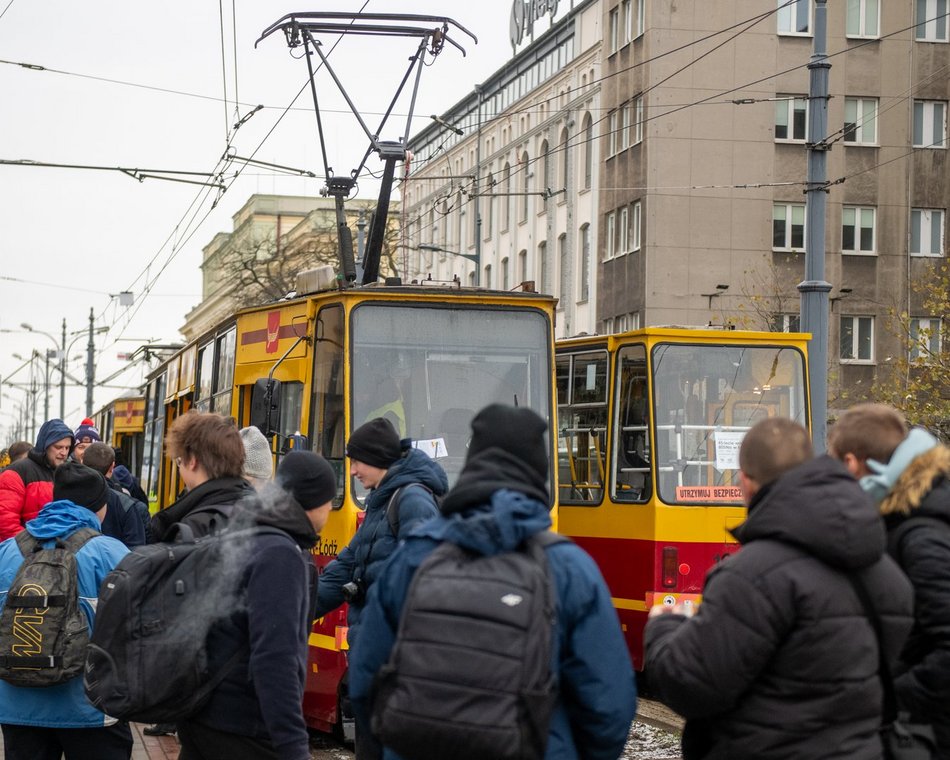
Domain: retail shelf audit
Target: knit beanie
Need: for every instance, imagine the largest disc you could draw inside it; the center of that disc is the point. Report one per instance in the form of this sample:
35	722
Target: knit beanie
258	460
375	443
308	477
87	433
83	486
515	429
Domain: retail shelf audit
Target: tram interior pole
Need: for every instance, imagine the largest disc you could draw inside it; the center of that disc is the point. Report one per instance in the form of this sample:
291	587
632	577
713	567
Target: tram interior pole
814	289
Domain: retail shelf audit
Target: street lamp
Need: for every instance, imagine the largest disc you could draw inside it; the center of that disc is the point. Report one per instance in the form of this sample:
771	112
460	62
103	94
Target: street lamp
62	362
475	258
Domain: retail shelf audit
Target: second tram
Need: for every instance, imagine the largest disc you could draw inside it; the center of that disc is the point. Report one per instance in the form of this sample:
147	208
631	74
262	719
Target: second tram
649	428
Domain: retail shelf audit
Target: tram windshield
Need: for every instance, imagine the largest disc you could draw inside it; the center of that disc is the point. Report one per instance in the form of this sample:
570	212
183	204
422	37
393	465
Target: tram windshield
705	399
430	369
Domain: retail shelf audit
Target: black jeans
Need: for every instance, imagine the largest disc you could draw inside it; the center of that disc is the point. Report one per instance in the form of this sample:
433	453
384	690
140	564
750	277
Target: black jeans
199	742
34	743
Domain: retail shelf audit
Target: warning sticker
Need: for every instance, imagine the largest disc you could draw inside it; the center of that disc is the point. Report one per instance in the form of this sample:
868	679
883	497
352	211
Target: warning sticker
709	493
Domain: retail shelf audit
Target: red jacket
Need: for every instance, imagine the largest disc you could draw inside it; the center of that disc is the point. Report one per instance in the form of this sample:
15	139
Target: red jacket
26	486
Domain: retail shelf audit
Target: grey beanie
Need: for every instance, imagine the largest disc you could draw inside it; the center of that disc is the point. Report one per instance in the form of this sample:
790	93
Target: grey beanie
258	460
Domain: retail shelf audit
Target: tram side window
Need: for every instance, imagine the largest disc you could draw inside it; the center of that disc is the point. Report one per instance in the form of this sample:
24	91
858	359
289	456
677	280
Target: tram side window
223	372
205	379
327	422
633	479
582	421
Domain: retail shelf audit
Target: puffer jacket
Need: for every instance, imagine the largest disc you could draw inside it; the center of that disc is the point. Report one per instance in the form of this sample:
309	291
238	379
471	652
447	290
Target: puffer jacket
922	549
597	694
780	660
63	705
374	542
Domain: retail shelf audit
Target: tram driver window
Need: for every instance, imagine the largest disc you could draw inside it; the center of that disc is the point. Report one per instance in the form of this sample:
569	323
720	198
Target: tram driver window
633	480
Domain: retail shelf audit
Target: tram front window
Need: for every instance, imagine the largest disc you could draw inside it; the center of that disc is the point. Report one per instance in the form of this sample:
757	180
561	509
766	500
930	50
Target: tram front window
430	369
706	397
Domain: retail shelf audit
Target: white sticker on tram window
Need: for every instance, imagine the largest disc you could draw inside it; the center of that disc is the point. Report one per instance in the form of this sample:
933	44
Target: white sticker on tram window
591	376
434	447
727	449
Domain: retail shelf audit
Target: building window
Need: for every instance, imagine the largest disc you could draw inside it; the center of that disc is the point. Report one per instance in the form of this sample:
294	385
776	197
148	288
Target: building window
931	21
588	151
857	339
862	18
638	28
788	226
635	227
584	294
857	230
860	121
791	118
625	126
612	122
614	30
522	266
925	341
638	119
624	244
487	283
794	17
611	231
788	323
930	124
926	232
627	6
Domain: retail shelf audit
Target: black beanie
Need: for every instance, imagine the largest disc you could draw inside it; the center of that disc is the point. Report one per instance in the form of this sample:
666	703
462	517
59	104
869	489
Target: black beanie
81	485
375	443
309	478
515	429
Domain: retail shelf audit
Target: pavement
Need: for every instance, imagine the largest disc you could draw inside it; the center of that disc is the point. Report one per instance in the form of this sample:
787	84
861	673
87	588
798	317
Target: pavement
145	747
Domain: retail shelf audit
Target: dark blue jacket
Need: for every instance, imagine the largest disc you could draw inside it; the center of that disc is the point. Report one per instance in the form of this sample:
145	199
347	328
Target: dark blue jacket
374	541
123	520
597	699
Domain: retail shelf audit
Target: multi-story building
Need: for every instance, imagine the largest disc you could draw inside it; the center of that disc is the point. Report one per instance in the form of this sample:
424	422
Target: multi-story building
503	189
705	148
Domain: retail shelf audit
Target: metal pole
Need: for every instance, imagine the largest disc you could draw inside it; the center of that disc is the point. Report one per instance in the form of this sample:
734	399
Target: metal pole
46	390
90	365
478	200
62	375
814	289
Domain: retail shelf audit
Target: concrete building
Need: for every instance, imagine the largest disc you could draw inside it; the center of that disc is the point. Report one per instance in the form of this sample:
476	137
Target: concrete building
704	163
503	189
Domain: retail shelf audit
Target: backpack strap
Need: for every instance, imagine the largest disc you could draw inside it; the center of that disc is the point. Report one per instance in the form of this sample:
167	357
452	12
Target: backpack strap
895	541
392	506
29	544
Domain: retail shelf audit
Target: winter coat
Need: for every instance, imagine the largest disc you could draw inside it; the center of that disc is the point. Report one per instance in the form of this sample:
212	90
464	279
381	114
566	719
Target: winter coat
122	519
780	660
597	699
219	492
63	705
374	542
269	626
922	678
25	487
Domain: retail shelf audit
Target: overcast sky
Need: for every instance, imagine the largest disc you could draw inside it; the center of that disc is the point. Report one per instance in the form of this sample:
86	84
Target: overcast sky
71	239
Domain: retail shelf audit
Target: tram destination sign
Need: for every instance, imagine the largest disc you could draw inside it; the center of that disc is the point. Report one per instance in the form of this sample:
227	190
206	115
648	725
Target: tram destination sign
525	14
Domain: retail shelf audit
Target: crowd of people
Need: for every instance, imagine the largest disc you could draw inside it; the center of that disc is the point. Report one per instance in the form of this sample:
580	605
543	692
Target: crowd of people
841	588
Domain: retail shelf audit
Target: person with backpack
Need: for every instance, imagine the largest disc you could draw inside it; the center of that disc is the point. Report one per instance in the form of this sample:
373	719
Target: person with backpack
209	454
43	710
486	636
26	485
782	660
403	484
126	519
907	473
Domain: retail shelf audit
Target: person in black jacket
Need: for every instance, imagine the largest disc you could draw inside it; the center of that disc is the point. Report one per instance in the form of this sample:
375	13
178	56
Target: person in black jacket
208	452
908	475
780	660
256	712
126	519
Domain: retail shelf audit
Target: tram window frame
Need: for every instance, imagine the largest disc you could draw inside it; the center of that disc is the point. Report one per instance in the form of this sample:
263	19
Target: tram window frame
328	393
225	347
619	436
204	388
572	403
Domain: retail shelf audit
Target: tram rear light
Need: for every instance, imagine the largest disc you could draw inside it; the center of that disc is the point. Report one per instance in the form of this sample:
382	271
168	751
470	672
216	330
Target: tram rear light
670	566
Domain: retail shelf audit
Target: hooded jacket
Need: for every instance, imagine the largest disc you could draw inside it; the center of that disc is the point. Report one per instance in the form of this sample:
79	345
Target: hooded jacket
780	660
374	542
262	694
597	699
922	549
219	492
63	705
27	485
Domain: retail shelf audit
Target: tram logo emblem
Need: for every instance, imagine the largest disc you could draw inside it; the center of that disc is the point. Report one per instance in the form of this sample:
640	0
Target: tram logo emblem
273	332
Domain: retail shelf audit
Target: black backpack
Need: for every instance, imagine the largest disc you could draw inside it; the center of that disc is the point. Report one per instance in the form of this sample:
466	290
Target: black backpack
469	676
148	658
43	630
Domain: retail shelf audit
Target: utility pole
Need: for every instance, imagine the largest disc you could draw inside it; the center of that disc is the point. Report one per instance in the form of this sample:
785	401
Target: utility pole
90	364
478	199
814	289
62	374
46	389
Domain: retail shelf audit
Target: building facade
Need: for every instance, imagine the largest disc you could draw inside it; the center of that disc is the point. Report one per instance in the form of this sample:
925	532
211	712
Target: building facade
503	188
